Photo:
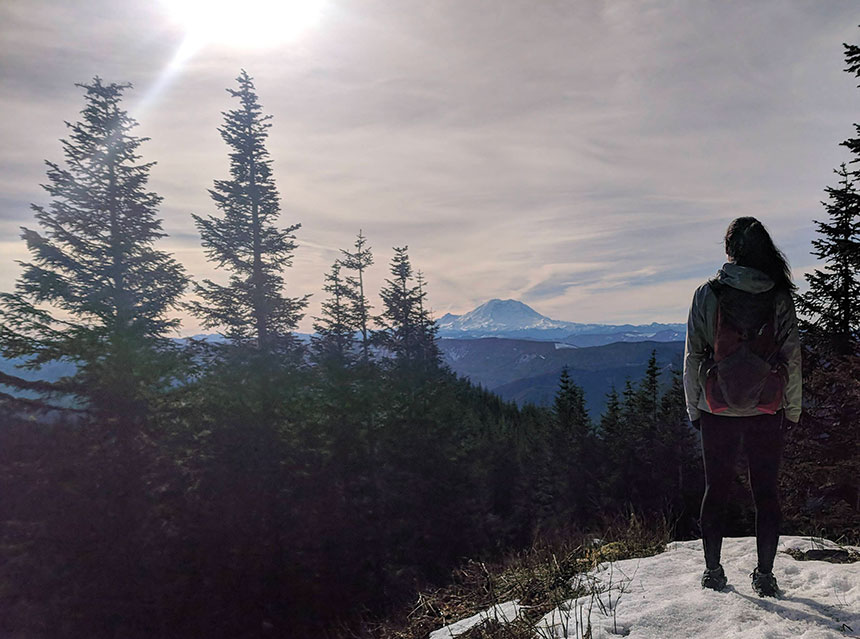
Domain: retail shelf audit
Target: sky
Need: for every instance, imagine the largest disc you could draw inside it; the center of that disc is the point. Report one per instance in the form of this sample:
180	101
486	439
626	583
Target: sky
660	596
584	157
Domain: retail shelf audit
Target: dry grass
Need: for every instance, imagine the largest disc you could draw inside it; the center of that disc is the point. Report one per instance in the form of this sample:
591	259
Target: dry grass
541	578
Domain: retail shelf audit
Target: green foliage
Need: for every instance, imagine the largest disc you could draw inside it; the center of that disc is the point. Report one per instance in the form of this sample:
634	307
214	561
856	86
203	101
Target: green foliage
97	293
408	332
252	308
359	261
831	301
335	330
650	457
822	459
540	576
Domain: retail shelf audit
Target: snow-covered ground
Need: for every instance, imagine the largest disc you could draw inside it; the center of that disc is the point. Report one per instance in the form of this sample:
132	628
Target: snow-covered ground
660	597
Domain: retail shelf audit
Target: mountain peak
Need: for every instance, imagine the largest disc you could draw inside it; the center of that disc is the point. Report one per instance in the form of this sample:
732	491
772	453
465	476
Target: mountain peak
505	310
498	316
513	318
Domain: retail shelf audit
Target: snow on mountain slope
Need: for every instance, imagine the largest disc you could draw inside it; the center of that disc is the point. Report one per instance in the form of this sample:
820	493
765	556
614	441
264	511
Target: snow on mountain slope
512	318
660	597
501	315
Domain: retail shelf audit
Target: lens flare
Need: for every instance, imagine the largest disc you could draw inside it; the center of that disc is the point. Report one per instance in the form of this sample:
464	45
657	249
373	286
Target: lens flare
245	23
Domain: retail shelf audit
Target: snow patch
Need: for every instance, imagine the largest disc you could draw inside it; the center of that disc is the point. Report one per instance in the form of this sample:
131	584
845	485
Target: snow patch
661	597
503	613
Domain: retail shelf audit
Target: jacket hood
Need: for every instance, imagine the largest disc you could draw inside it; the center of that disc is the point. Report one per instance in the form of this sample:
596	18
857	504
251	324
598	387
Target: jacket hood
744	278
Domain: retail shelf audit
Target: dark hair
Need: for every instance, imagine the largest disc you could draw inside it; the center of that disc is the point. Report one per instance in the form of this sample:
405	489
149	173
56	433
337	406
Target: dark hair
749	244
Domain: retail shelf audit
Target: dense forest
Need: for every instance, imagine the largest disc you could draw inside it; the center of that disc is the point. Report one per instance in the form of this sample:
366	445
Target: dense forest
254	485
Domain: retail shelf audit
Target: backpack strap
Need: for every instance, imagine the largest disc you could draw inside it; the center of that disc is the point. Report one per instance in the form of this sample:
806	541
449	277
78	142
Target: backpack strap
780	342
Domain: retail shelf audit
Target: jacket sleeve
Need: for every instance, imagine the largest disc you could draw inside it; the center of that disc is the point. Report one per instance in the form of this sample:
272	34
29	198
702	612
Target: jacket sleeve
695	350
790	354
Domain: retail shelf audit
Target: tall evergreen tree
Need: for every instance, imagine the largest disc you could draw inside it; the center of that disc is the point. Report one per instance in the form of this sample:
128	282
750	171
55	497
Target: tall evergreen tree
822	484
399	318
831	301
359	261
252	307
95	265
398	315
852	60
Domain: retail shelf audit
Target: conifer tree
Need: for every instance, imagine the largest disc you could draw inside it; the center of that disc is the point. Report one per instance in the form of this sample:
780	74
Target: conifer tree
569	408
677	454
852	59
398	316
408	331
821	457
573	446
612	446
359	261
336	328
831	301
252	307
428	350
94	262
611	418
648	391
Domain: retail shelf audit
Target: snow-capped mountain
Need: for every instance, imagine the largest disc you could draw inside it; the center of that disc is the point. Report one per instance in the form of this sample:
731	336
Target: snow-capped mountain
512	318
501	315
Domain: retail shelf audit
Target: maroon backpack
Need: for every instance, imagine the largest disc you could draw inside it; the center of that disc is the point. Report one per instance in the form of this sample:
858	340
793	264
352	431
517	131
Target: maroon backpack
744	372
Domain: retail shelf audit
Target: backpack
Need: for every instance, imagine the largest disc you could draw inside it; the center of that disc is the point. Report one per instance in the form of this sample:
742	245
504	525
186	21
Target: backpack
744	373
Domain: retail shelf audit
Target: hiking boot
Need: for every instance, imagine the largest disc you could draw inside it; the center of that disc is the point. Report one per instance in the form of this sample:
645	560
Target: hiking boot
714	578
764	583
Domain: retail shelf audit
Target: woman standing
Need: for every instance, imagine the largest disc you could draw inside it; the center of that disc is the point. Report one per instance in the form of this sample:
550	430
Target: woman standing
742	381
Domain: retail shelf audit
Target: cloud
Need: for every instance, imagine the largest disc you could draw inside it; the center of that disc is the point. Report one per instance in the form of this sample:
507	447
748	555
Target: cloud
583	156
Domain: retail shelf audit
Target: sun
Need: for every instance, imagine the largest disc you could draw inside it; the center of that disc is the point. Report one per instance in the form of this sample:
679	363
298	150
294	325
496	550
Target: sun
245	23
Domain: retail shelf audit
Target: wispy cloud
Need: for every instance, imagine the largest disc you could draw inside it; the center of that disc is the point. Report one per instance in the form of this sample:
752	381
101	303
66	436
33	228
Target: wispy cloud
585	157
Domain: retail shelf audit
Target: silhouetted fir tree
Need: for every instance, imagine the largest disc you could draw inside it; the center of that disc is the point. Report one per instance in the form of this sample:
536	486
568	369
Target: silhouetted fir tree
574	445
408	332
569	409
611	418
822	460
562	400
628	399
98	294
852	59
398	315
648	391
831	301
643	429
94	261
626	450
677	457
258	432
359	261
335	339
252	308
428	350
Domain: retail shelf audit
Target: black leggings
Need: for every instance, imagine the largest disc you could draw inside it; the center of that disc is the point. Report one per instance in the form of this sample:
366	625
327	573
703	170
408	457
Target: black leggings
762	439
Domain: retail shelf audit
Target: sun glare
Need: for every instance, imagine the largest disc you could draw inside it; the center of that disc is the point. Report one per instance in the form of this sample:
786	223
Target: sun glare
245	23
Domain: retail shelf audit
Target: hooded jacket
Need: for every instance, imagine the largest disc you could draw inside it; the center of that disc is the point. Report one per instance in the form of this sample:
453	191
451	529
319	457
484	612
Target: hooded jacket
700	340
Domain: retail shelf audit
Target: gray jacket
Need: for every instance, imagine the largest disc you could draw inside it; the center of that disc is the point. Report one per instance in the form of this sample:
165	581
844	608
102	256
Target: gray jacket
700	339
